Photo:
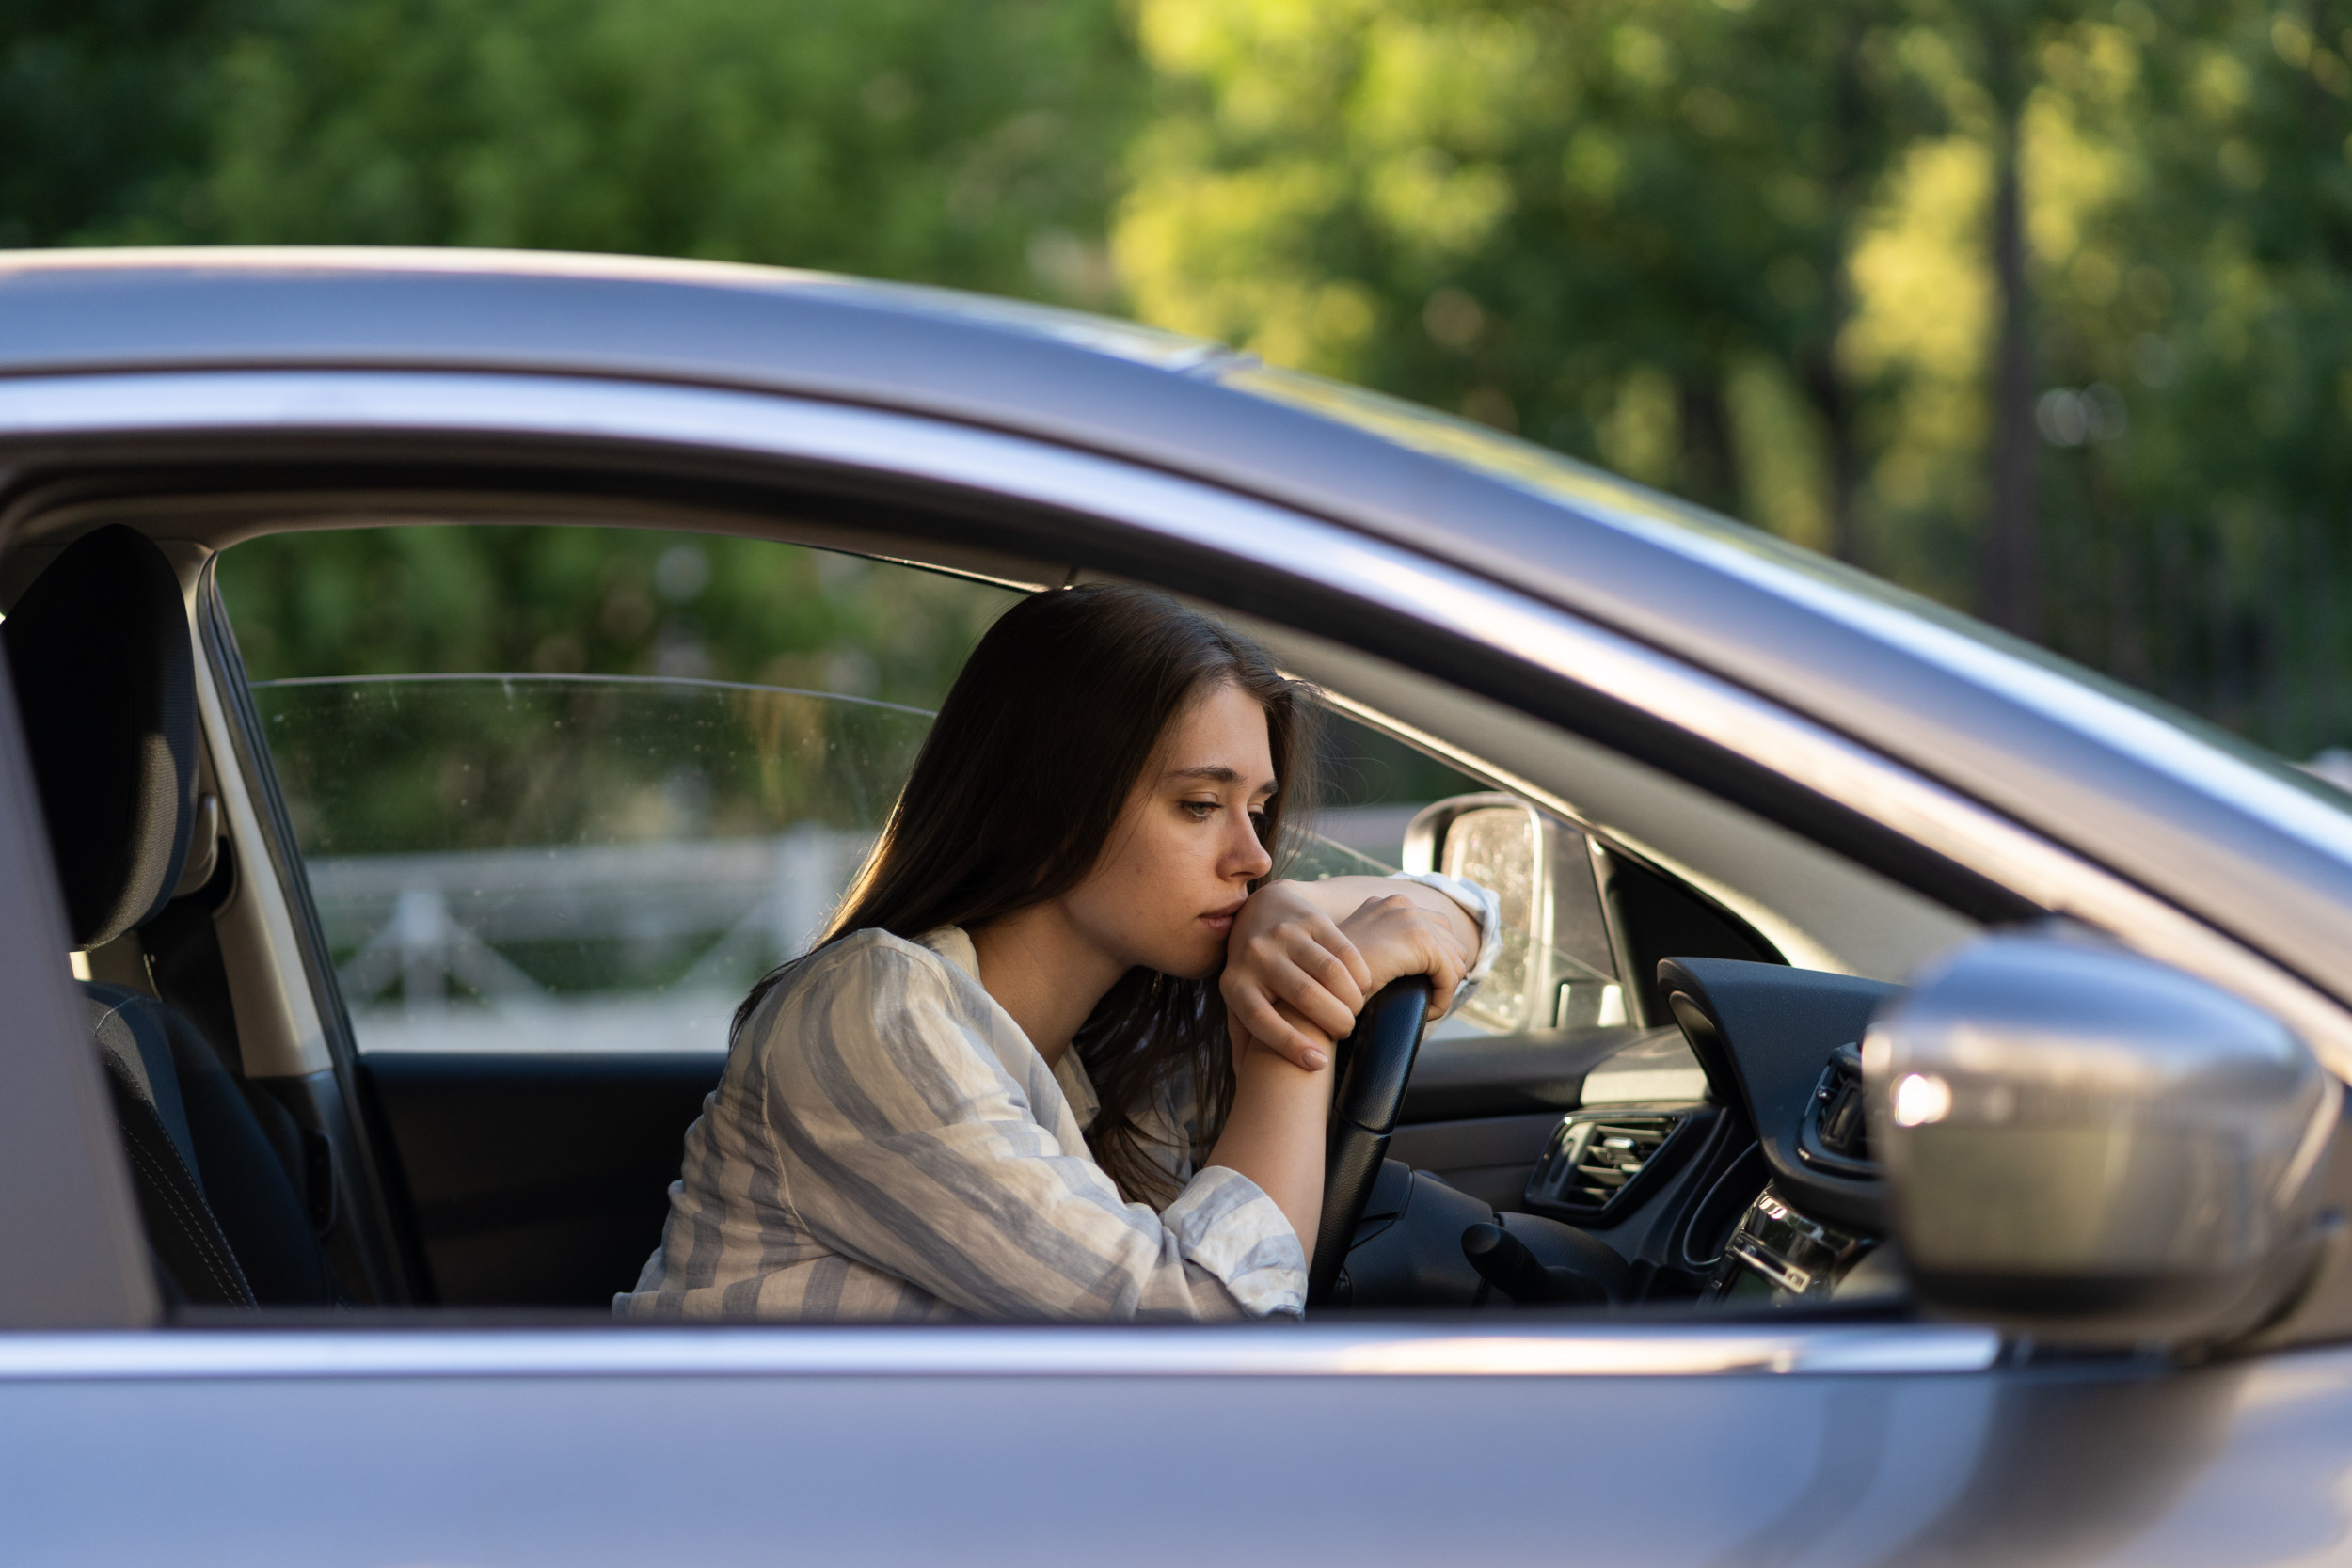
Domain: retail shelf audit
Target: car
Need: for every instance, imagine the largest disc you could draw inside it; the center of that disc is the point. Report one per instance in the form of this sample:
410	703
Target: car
1903	1124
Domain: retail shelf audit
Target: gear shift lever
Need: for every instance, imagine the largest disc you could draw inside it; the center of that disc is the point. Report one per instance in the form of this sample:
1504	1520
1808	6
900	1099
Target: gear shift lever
1580	1269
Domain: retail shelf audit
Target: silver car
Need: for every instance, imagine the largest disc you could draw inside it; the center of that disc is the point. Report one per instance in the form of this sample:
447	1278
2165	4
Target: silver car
1902	1125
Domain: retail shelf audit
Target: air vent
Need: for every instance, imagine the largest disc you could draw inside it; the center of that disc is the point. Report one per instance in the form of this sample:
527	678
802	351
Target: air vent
1832	1136
1595	1157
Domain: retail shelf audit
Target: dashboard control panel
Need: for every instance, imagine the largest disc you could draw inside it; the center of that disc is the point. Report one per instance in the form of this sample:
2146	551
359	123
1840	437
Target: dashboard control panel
1778	1254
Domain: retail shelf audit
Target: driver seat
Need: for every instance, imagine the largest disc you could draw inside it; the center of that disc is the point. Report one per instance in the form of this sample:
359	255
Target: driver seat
98	648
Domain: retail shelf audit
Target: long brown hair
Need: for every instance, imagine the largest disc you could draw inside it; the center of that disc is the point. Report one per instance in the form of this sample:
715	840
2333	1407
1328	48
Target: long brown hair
1025	771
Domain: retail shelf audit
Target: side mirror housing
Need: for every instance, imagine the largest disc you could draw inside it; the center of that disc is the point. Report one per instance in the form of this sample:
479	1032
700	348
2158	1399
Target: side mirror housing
2087	1145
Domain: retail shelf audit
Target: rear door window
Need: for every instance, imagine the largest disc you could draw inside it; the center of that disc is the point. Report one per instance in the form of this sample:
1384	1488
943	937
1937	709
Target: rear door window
576	789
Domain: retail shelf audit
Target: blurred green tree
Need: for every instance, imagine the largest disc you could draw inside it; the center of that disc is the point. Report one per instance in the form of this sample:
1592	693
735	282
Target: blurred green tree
2194	254
934	139
405	600
2040	306
100	108
1622	228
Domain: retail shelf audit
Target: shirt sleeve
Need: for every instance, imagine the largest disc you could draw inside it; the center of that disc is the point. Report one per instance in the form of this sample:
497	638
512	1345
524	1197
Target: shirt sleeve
905	1143
1480	904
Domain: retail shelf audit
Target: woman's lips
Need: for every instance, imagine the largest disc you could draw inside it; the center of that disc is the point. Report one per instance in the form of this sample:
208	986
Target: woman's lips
1222	921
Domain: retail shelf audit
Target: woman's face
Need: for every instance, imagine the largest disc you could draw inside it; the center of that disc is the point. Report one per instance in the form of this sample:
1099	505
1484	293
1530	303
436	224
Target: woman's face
1179	861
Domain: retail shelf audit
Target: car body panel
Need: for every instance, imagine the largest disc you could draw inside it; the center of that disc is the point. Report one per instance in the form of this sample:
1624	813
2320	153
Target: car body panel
464	1462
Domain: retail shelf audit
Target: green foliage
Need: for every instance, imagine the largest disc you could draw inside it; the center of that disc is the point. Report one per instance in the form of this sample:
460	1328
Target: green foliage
1744	249
601	600
1578	222
2197	320
936	139
99	103
405	766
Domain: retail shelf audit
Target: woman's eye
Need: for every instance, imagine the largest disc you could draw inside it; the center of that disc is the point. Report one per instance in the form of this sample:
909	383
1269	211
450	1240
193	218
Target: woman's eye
1199	810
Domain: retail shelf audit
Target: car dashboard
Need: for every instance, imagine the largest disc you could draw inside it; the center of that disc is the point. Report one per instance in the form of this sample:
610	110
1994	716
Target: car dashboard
1723	1161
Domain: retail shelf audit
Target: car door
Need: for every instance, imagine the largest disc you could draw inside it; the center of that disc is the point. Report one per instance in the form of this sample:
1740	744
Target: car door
1791	1438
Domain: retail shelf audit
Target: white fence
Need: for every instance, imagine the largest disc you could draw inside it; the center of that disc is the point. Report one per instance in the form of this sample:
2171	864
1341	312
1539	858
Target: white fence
430	928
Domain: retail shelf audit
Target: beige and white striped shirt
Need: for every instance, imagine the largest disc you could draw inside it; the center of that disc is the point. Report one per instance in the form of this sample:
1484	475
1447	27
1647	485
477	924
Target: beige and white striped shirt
885	1143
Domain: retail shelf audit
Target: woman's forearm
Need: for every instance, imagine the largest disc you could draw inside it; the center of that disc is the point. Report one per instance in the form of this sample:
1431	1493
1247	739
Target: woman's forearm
1274	1134
1341	897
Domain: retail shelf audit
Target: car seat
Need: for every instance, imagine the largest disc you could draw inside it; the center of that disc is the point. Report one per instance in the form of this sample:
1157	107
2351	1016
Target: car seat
99	651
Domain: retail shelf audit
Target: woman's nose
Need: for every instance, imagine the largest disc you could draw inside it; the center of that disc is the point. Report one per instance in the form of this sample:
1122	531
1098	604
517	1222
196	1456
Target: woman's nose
1247	858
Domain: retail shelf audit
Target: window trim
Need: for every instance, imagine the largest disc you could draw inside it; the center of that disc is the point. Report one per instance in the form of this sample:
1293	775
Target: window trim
1526	1348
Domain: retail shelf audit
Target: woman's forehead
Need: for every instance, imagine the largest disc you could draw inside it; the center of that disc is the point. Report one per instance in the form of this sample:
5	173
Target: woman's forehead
1223	737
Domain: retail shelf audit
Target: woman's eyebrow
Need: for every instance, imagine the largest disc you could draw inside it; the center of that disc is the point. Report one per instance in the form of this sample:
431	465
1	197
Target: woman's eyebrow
1215	773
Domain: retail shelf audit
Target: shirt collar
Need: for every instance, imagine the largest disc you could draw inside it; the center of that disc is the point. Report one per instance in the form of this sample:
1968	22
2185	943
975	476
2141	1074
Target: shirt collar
954	943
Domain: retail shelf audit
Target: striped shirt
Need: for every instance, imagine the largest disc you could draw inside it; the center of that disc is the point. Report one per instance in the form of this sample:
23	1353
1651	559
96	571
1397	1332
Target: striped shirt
885	1143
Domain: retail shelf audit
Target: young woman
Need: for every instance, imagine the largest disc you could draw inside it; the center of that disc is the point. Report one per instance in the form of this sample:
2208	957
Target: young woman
1055	1058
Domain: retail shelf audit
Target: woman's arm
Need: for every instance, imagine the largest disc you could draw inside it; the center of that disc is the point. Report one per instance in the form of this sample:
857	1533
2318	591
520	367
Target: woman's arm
1341	897
893	1115
1303	956
1275	1134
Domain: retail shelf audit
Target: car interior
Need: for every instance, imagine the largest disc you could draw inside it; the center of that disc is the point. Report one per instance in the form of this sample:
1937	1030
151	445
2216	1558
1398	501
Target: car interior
406	982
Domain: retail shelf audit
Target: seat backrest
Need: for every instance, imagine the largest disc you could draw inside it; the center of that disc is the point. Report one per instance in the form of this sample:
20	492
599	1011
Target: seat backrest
99	651
105	686
192	1252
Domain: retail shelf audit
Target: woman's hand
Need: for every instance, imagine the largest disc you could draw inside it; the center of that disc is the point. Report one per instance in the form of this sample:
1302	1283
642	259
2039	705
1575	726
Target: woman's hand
1398	936
1297	971
1293	980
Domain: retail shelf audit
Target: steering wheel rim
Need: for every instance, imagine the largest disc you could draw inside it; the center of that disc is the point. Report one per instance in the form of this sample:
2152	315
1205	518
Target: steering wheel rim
1377	1062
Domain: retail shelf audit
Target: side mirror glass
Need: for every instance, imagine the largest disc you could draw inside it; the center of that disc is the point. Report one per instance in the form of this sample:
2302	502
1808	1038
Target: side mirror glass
1556	970
2085	1145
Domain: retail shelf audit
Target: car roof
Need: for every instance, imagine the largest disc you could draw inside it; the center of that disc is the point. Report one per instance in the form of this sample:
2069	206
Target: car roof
2216	826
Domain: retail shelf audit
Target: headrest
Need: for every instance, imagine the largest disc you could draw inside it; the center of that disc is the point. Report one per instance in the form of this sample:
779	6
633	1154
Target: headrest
106	684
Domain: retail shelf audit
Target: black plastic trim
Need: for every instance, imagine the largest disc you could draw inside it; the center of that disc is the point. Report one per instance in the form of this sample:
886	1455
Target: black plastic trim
392	1249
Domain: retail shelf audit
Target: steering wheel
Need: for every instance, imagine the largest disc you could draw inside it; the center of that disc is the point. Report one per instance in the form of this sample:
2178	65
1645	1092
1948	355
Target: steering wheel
1377	1062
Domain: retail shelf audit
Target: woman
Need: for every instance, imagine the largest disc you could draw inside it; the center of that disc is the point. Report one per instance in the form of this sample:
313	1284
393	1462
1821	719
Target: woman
990	1089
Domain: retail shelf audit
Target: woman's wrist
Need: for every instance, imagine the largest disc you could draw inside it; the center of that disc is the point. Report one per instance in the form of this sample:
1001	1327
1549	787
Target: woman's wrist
1274	1132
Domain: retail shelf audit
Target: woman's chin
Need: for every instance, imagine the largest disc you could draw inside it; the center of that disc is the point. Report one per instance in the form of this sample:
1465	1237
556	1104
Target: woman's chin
1199	964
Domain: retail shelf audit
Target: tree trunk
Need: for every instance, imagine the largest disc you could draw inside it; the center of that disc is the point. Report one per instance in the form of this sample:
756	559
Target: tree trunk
2010	567
1823	380
1710	473
1832	400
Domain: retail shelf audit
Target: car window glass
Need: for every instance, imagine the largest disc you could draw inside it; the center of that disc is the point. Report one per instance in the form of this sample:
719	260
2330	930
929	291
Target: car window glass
576	789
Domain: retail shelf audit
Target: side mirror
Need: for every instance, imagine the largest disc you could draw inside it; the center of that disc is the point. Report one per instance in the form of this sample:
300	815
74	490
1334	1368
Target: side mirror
1555	969
2087	1145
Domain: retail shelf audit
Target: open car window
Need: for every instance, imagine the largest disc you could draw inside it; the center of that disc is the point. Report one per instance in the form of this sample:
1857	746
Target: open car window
575	788
593	828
